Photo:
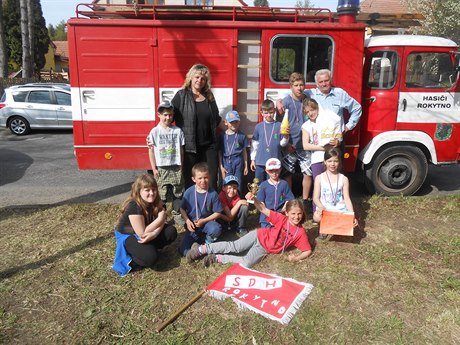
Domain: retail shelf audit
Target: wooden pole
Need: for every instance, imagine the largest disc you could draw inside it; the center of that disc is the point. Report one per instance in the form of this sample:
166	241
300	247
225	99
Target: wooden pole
177	314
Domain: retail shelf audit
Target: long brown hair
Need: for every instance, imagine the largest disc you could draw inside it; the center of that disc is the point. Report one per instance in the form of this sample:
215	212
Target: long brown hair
150	210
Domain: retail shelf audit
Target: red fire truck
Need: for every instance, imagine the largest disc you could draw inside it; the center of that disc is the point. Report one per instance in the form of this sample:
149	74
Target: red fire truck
126	59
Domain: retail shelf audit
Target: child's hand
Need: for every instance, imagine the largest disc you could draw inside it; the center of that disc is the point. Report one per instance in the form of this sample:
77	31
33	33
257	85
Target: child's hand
290	148
279	106
249	196
147	237
223	171
190	225
355	223
199	223
243	202
156	173
334	142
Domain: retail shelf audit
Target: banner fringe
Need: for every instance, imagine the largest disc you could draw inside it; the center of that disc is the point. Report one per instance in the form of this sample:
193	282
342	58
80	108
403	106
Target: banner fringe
290	312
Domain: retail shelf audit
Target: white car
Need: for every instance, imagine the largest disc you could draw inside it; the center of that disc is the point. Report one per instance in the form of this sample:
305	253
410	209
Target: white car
33	106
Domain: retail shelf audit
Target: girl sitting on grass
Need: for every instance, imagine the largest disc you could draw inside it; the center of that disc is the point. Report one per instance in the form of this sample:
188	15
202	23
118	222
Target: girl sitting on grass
332	189
141	228
287	231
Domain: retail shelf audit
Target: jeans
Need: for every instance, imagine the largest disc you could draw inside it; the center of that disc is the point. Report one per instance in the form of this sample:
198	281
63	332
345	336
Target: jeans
239	222
208	233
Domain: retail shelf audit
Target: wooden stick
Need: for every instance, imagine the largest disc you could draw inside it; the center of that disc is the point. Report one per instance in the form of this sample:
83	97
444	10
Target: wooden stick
176	315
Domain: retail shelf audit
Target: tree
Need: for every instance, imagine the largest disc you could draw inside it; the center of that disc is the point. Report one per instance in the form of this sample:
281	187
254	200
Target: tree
304	4
59	32
261	3
13	37
441	17
25	39
31	34
3	53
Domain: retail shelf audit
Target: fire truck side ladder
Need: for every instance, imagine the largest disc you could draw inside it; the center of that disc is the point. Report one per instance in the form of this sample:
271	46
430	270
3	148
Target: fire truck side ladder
248	74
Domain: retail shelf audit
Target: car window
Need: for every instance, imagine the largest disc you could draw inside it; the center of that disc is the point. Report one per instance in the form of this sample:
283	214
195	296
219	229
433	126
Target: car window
62	98
430	70
383	70
20	96
42	97
3	99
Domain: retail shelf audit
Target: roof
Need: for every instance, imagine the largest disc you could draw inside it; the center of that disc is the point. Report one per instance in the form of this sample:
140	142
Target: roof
388	15
62	49
384	6
409	40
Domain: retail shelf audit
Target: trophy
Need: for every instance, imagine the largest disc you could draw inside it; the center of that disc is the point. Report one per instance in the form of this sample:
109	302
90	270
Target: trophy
253	188
284	130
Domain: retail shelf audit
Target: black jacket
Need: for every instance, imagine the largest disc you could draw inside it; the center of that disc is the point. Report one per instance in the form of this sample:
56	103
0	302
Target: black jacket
185	117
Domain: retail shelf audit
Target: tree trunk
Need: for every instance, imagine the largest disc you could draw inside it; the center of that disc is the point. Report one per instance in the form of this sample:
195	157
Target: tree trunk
26	70
3	55
30	26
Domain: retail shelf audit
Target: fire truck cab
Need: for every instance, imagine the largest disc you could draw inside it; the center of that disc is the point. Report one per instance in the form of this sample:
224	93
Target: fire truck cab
411	107
125	60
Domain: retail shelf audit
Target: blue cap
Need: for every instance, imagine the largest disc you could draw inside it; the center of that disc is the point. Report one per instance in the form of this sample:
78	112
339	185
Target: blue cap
229	179
232	115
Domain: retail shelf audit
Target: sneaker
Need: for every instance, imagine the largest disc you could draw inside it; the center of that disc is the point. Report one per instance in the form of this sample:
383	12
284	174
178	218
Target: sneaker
322	237
241	232
193	254
209	260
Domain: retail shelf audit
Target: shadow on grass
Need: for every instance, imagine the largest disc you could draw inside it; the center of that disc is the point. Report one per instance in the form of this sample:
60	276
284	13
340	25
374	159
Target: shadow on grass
50	259
82	199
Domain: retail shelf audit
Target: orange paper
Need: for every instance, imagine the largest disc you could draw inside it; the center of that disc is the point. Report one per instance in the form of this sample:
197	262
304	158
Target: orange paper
337	223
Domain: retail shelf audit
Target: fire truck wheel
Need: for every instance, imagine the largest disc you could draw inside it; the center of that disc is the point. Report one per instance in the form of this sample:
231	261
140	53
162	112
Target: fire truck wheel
397	170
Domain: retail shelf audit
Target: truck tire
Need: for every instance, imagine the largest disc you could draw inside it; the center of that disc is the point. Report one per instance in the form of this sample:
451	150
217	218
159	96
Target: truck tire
19	126
397	170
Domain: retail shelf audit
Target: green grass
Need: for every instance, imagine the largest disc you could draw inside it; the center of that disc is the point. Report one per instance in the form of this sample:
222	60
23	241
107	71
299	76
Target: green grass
396	282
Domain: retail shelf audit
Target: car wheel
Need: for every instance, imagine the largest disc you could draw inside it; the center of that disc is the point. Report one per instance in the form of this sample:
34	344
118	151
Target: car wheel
397	170
19	126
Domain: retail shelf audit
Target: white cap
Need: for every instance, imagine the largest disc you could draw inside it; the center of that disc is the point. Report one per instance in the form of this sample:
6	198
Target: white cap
272	164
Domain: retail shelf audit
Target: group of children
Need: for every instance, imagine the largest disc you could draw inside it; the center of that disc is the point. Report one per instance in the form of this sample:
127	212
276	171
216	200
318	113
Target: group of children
310	143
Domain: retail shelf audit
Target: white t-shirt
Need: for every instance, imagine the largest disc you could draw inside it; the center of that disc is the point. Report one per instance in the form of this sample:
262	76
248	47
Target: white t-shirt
326	127
312	129
167	145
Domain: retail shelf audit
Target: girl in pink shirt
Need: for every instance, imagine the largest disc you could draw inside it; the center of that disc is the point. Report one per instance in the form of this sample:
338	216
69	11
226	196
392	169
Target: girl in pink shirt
287	232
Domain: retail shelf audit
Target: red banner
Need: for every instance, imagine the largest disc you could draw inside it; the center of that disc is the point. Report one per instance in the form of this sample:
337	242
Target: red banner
272	296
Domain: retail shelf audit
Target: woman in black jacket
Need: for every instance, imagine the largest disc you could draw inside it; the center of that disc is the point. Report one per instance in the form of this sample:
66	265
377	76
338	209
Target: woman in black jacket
196	112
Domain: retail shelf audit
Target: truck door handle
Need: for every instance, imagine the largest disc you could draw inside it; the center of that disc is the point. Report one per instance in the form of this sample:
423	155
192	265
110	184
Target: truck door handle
372	99
404	104
89	94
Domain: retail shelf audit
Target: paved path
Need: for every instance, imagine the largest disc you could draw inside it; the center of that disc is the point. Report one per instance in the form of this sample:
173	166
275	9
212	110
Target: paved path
41	169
